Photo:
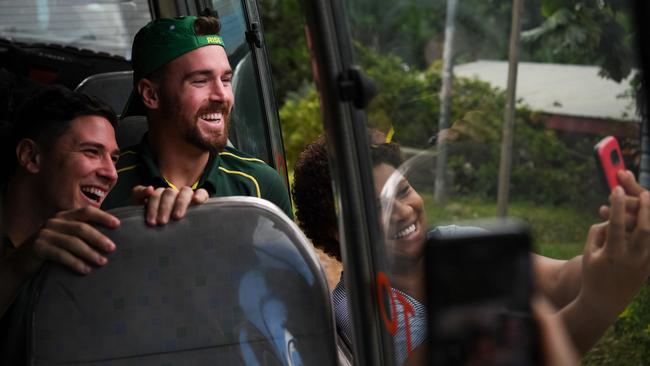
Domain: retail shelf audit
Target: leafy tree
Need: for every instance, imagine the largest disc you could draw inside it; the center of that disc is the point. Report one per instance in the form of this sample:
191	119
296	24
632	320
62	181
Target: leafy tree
408	101
286	44
301	122
585	32
627	343
400	27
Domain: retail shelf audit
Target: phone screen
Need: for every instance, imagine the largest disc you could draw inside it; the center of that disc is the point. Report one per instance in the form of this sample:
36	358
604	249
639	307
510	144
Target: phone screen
479	289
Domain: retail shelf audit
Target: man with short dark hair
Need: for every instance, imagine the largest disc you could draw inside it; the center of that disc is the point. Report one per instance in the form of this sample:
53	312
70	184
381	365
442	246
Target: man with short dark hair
62	166
183	77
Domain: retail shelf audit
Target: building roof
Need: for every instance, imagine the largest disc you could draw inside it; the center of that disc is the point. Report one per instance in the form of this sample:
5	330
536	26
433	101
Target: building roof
570	90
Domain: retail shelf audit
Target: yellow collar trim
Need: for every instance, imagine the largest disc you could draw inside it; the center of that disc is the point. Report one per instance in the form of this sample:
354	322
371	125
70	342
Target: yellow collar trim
196	184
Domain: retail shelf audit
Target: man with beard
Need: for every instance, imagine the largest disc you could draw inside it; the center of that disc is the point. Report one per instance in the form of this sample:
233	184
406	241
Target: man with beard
184	80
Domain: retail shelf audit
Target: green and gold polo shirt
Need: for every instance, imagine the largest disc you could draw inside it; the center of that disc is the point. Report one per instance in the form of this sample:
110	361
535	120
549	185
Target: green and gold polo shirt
230	173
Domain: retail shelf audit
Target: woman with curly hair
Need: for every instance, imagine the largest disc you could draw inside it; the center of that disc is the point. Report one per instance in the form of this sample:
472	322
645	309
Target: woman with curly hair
314	199
601	277
406	234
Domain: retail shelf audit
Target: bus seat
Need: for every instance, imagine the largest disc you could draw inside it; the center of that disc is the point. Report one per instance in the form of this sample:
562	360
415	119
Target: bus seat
233	283
130	130
112	87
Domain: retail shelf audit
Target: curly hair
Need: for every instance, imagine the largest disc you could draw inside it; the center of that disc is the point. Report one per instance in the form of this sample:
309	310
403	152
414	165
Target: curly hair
313	196
314	199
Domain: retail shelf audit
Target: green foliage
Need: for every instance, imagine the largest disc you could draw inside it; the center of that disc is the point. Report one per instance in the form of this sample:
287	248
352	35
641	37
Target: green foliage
584	32
627	343
407	98
286	44
544	168
559	231
401	27
301	122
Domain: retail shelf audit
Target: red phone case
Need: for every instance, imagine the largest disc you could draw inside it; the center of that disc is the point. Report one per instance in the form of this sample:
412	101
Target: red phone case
609	160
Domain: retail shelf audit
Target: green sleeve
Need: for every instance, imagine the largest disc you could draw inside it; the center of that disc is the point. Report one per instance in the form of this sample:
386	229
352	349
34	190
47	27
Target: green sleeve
274	190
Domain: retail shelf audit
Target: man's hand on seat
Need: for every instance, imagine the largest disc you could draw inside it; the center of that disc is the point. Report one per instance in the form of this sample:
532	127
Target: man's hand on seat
70	239
165	203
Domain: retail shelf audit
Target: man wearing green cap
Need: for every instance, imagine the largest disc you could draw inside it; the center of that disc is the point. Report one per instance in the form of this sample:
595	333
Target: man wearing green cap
182	75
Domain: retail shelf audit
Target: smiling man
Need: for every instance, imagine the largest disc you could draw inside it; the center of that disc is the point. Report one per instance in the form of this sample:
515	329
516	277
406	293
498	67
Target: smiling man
62	151
63	167
183	77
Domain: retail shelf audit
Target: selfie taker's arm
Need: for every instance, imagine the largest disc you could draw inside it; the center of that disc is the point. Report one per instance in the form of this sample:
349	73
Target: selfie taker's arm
558	280
555	346
615	265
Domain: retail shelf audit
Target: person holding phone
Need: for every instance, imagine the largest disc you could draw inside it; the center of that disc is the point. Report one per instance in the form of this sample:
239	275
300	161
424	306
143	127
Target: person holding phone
590	290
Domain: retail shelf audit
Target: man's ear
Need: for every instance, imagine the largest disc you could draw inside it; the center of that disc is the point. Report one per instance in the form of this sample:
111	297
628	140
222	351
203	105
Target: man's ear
28	155
148	91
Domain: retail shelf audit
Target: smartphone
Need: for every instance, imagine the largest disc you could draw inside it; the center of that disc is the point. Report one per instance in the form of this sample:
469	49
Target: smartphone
609	161
479	287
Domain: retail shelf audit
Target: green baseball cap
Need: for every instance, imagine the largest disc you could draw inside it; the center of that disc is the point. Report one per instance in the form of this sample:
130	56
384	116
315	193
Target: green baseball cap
162	40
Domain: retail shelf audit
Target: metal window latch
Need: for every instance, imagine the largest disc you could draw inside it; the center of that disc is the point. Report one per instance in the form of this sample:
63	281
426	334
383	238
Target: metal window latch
356	87
253	36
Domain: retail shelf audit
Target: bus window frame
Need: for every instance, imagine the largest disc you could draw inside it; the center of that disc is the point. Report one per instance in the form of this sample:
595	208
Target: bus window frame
348	148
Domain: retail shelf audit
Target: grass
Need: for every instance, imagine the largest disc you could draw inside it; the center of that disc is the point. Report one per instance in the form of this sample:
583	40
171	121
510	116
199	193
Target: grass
560	251
558	232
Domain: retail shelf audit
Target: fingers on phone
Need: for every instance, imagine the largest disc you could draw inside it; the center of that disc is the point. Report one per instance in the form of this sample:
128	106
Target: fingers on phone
629	183
616	231
597	236
643	218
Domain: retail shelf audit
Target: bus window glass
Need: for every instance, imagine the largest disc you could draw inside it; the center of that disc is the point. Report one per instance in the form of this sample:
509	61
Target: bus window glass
248	132
442	69
101	26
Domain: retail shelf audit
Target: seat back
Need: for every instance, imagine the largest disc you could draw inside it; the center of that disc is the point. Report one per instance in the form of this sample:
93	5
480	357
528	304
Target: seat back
130	130
235	282
111	87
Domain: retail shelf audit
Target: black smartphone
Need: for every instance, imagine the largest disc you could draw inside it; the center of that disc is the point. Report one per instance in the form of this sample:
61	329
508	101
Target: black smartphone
479	286
609	161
